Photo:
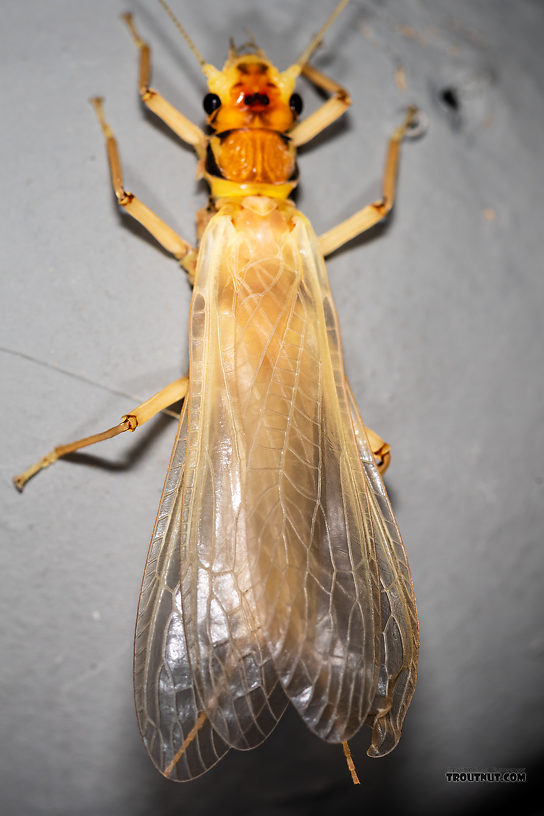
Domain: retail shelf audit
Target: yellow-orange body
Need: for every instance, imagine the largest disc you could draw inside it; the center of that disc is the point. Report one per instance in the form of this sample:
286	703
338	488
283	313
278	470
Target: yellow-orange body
249	152
276	572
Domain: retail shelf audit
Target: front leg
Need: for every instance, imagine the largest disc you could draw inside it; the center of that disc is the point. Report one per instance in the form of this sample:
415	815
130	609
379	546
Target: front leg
324	116
176	121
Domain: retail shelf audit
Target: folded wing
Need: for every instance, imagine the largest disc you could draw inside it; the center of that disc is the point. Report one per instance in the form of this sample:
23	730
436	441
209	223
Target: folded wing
399	623
174	727
276	571
280	578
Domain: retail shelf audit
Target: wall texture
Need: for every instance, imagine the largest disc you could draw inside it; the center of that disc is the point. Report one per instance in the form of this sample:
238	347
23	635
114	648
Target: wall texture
441	313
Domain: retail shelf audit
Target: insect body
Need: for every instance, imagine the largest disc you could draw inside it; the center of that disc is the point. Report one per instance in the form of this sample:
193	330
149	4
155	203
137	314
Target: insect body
276	572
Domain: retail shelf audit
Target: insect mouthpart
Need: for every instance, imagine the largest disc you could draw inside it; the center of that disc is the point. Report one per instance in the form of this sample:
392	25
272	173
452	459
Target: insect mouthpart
256	100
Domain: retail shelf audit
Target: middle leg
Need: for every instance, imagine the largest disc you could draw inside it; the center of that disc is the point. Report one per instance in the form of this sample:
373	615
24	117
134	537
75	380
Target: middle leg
373	213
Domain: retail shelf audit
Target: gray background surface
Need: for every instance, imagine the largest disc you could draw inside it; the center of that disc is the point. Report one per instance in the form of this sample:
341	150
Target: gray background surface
441	314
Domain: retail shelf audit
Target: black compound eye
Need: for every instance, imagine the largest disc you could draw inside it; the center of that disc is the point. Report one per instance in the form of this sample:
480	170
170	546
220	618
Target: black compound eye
210	103
295	103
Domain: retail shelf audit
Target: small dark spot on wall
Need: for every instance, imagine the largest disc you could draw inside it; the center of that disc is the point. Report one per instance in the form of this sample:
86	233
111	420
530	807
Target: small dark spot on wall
450	98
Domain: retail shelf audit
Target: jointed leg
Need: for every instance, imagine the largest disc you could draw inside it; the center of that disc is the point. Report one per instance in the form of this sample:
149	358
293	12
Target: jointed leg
372	213
158	402
327	113
160	230
350	763
175	120
380	450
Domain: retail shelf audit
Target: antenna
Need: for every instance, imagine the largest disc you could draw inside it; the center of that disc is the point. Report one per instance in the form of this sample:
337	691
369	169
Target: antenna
183	33
305	56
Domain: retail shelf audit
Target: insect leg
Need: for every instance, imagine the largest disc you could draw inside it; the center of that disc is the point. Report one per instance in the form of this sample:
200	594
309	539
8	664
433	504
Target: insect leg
375	212
158	402
350	763
380	450
327	113
176	121
165	235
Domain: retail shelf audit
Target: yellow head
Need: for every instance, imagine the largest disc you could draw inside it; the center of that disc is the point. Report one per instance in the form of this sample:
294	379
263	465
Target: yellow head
250	92
251	107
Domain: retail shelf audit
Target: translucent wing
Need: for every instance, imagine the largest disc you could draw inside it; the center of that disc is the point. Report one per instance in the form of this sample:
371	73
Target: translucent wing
399	624
231	660
178	736
276	570
279	571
